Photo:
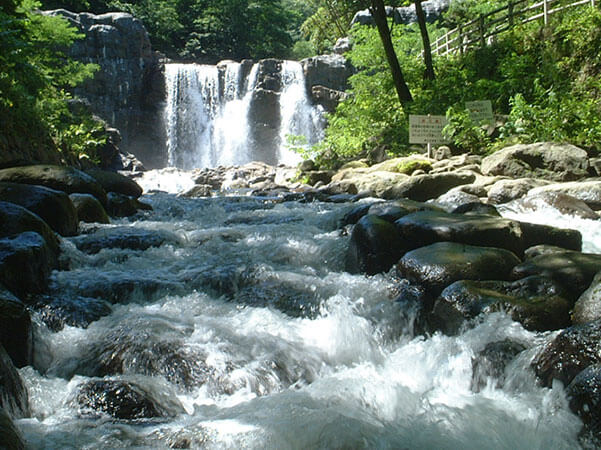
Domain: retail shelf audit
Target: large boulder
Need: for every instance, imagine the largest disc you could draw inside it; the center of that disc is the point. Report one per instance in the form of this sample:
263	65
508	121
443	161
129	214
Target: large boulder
376	183
572	350
534	234
330	71
504	191
374	246
10	437
538	303
124	237
439	265
563	203
428	186
550	161
89	209
59	310
588	306
61	178
584	393
573	270
13	394
426	227
393	210
115	182
15	219
588	191
15	328
26	261
53	206
120	205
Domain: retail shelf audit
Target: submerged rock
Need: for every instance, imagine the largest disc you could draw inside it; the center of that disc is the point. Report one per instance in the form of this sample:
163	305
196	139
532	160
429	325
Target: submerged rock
558	162
120	205
53	206
89	209
13	394
374	246
10	437
439	265
15	328
584	393
61	178
122	237
119	399
538	303
491	363
563	203
572	350
60	310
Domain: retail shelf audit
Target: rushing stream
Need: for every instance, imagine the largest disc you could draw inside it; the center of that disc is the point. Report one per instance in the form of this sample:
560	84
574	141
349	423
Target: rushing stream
247	333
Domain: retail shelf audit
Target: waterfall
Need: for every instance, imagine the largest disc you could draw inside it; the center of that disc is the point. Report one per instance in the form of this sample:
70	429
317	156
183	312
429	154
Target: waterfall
210	121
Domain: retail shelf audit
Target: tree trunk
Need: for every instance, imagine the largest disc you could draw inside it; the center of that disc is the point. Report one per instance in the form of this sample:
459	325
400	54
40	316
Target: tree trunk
421	20
378	12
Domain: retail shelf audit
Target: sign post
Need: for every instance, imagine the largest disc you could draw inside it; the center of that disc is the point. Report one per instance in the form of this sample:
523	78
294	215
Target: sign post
481	112
427	130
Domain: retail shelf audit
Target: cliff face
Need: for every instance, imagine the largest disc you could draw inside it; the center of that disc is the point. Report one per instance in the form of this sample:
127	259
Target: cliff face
128	90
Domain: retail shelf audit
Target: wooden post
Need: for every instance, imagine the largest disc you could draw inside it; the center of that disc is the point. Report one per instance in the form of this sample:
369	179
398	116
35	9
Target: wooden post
482	31
460	38
510	15
429	150
546	12
447	43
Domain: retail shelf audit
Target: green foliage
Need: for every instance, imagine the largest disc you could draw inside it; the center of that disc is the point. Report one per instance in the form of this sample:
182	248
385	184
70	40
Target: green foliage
466	134
35	73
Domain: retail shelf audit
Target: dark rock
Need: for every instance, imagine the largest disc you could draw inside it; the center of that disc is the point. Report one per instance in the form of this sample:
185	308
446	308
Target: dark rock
439	265
331	71
353	216
477	208
315	176
120	205
115	182
542	249
58	311
492	362
426	227
264	117
13	394
572	270
374	246
393	210
15	219
10	437
122	237
584	393
119	399
559	162
572	350
588	306
61	178
89	209
15	329
534	234
326	97
538	303
429	186
26	262
54	207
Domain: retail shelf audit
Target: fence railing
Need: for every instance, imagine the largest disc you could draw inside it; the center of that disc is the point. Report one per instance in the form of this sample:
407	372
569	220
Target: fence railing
480	31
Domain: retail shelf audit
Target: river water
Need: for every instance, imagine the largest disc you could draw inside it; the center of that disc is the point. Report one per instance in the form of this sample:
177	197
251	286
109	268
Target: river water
247	332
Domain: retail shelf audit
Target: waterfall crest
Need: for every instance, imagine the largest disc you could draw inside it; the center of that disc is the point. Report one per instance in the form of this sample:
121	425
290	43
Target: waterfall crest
234	113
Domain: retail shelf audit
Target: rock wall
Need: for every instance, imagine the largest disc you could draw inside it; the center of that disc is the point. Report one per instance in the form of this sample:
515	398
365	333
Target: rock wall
128	90
326	78
406	14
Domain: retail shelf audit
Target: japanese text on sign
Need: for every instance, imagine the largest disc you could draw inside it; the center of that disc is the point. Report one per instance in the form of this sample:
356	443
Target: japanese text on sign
481	112
427	129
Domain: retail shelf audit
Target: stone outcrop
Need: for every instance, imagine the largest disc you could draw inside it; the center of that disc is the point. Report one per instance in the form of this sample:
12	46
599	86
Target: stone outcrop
128	89
433	9
326	78
13	394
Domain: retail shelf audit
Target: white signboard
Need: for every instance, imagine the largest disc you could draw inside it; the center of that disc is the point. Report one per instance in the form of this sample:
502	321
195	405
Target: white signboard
427	129
481	112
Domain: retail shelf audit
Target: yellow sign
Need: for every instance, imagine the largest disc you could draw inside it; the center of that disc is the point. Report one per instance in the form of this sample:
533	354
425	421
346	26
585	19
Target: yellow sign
427	129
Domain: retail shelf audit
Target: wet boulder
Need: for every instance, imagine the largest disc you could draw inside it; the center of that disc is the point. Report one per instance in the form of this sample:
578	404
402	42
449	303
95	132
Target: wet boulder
353	216
588	191
572	270
89	209
10	437
584	394
56	311
546	160
374	246
15	328
393	210
15	219
563	203
61	178
13	394
534	234
439	265
426	227
572	351
123	237
588	305
428	186
115	182
490	363
26	261
538	303
52	206
120	205
477	208
119	399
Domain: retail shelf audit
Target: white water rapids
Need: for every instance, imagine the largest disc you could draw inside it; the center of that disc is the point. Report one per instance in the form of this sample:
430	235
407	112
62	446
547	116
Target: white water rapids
255	337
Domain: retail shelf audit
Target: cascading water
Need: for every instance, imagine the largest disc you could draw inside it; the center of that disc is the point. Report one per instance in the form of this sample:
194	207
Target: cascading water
208	118
245	331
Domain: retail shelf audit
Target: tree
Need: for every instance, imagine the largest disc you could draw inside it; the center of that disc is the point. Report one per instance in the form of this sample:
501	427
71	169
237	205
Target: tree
378	12
421	20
